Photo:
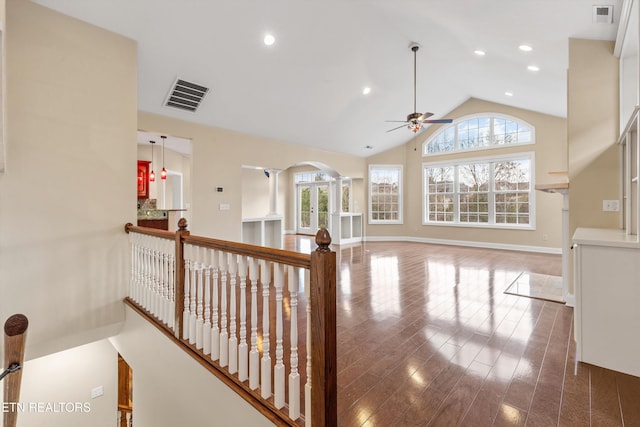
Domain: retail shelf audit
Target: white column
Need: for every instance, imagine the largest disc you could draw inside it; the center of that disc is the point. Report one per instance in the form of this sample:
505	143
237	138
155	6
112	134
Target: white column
273	191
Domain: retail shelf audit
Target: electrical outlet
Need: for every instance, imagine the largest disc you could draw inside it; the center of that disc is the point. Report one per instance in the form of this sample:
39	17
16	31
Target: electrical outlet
610	205
224	206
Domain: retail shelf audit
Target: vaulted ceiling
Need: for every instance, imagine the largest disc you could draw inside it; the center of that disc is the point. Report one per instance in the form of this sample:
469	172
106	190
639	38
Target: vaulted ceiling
307	87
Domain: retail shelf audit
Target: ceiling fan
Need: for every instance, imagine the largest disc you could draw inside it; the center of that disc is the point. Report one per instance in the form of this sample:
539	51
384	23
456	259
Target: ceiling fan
416	120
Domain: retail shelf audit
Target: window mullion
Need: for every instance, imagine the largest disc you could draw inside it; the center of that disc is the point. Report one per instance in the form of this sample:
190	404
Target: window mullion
492	198
456	194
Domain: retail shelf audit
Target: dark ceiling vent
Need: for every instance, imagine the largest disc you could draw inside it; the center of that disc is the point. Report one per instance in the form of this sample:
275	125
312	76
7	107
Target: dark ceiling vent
186	95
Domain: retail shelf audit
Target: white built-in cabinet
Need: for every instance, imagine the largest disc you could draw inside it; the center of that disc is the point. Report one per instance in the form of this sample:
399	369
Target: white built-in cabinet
263	231
349	227
607	309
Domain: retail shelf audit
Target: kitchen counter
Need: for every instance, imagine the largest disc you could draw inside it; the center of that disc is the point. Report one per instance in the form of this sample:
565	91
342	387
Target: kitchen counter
163	219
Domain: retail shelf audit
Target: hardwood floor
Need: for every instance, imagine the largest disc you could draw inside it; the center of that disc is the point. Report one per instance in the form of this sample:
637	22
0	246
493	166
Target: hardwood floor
427	336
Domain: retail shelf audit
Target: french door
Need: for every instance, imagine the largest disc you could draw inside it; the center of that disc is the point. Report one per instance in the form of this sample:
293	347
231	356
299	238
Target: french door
312	207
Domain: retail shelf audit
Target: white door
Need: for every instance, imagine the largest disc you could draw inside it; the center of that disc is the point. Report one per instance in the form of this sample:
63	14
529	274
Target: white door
312	207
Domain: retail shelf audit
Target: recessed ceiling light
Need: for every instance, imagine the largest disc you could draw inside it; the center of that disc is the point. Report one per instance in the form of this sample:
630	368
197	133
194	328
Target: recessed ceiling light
533	68
366	90
525	48
509	93
480	52
269	39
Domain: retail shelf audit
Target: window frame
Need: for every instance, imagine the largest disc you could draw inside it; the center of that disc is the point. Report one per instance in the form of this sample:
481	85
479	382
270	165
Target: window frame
491	160
491	117
400	170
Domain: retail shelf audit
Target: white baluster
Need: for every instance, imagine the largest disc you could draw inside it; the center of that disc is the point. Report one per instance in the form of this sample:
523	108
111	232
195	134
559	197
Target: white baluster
243	349
167	281
199	300
132	248
206	329
155	301
307	386
254	355
147	274
265	278
215	329
224	334
144	271
233	329
172	291
278	370
153	288
129	419
187	287
193	295
294	376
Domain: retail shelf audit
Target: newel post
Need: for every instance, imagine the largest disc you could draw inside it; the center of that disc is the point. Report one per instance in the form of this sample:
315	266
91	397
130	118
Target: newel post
179	276
324	391
15	332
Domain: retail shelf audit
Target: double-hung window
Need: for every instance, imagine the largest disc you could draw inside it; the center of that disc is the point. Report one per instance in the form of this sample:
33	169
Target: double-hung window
385	194
489	191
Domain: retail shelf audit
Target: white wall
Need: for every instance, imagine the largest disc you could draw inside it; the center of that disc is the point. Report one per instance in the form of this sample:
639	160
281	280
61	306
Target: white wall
171	389
69	376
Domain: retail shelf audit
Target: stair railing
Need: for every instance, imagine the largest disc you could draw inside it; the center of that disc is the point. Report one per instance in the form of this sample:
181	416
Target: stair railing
263	319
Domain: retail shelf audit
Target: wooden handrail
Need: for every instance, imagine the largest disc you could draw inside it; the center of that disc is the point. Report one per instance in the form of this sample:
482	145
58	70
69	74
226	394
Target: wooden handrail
15	333
322	267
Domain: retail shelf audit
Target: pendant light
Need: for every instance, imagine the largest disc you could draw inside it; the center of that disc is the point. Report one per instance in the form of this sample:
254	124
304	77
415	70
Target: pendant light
152	175
163	173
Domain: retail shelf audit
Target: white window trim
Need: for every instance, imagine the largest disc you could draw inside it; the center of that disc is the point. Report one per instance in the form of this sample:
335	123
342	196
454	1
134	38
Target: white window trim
528	155
400	219
454	124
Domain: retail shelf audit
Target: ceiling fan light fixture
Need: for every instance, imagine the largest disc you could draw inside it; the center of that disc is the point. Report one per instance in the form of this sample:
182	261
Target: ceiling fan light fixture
415	121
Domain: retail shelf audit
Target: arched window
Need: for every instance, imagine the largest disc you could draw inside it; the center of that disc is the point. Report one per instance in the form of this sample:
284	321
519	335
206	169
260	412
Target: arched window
479	132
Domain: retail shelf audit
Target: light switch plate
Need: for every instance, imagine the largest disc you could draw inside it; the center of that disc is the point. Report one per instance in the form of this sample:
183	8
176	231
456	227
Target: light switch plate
97	392
611	205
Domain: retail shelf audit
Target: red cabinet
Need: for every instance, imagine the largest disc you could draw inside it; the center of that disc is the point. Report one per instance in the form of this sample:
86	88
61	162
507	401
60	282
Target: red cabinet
143	179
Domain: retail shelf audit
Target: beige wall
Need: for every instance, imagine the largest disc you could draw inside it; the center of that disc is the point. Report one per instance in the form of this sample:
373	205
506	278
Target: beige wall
550	156
171	389
71	147
217	159
69	376
592	127
255	193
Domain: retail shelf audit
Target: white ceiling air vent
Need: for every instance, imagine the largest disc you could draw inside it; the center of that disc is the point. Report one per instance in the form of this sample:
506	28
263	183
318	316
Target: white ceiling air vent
603	14
186	95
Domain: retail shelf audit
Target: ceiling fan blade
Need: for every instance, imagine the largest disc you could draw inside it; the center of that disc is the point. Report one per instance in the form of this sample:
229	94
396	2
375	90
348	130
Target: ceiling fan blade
397	128
425	116
438	121
396	121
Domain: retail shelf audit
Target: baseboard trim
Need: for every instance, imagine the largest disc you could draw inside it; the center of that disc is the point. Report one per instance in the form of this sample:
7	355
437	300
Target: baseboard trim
570	300
487	245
